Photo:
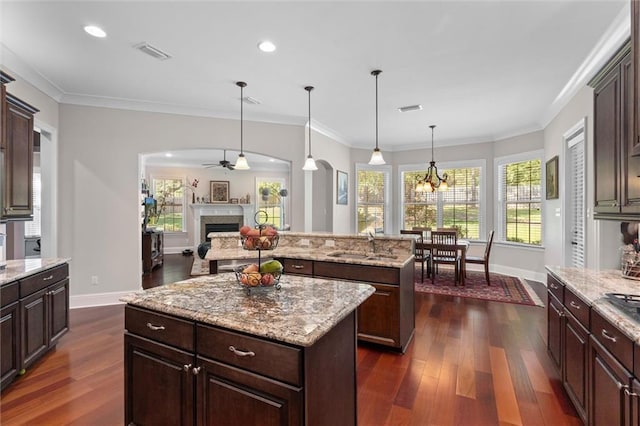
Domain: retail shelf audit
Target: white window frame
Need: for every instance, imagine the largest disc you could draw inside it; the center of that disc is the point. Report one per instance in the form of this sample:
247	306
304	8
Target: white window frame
258	196
499	208
463	164
185	197
386	169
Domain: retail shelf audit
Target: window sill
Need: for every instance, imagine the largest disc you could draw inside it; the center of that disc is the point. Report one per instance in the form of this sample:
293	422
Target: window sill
519	246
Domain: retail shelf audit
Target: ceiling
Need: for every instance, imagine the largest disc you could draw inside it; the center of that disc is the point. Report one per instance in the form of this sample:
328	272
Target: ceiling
482	70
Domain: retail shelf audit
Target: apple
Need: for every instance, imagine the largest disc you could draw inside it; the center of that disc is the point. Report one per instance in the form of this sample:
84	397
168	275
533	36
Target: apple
253	232
267	280
244	230
251	269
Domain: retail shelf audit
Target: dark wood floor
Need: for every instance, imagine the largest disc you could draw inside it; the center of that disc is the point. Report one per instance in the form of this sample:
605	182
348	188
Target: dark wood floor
471	363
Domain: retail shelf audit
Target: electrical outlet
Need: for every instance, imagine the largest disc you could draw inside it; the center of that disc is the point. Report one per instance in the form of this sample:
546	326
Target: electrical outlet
94	280
330	243
304	242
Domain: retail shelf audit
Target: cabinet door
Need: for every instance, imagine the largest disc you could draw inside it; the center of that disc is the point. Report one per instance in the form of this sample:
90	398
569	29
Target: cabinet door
9	343
33	312
18	189
232	396
575	355
631	170
58	311
378	316
607	381
3	117
554	330
159	384
635	46
634	402
607	143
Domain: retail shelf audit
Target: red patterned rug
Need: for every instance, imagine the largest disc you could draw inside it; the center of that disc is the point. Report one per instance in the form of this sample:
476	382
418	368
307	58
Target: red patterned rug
503	288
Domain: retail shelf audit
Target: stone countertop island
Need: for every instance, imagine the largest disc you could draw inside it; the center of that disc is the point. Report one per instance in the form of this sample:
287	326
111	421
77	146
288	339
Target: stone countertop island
21	268
301	312
204	351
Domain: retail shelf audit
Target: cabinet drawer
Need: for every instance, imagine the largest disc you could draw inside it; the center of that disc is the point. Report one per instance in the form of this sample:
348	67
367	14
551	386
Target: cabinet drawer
162	328
556	288
298	266
577	307
347	271
613	340
270	359
43	279
9	293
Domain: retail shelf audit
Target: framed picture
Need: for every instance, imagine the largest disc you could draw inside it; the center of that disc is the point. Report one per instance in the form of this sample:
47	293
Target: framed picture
552	178
219	191
342	188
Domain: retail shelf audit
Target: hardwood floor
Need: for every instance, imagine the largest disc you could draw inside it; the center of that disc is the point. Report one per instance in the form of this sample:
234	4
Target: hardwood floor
471	362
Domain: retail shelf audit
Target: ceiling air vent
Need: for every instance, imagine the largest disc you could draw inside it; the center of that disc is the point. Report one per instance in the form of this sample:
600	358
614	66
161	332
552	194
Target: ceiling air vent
152	51
410	108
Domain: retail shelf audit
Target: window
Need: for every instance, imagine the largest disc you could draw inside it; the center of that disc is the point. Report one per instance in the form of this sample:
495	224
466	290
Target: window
270	199
372	199
519	198
33	227
169	195
458	207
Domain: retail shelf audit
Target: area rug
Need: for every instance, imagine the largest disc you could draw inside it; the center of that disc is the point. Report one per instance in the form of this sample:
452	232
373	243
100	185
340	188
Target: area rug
503	288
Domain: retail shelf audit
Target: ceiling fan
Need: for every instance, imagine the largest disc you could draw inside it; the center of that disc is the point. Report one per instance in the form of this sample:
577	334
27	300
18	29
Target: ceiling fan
221	163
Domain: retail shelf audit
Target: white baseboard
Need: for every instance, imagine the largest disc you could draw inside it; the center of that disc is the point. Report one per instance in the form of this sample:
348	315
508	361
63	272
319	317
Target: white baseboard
97	299
178	250
517	272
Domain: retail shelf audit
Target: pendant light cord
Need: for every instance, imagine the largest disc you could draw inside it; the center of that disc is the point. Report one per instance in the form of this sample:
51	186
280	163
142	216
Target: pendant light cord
376	73
309	89
241	119
432	127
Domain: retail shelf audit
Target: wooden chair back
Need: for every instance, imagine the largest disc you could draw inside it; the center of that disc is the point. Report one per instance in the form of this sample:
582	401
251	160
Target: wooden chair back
487	249
445	238
418	250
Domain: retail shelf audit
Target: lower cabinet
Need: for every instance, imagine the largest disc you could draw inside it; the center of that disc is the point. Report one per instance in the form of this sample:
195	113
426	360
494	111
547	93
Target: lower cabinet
378	316
180	372
634	402
575	357
555	313
10	347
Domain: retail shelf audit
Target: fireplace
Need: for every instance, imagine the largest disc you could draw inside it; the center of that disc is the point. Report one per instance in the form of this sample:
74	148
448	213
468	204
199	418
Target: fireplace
220	227
233	215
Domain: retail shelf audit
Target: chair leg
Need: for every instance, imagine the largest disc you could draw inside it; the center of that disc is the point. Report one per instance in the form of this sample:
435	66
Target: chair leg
422	264
486	273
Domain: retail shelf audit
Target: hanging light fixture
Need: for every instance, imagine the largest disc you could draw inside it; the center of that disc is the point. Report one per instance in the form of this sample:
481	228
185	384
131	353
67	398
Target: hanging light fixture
376	156
241	162
310	164
432	180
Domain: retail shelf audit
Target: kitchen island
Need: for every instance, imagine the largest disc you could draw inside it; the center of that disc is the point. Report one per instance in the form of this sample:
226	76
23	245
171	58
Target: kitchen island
204	351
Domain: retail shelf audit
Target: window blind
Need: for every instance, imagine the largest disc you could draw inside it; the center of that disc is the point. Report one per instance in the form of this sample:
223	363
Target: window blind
372	200
33	228
577	200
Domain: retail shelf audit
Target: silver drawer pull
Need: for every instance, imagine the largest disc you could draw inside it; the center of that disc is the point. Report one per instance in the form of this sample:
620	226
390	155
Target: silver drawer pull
155	327
196	370
186	367
553	286
298	266
241	353
50	277
608	336
574	305
629	393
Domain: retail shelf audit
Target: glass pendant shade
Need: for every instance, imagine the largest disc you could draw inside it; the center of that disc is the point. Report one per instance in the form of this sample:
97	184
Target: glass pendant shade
241	162
376	156
310	164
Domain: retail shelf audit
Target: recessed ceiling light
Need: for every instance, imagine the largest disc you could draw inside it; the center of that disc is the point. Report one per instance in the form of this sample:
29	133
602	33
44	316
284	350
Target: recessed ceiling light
95	31
267	46
410	108
168	154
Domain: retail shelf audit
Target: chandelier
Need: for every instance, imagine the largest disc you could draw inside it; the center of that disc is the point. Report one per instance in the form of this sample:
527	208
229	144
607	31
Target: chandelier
432	179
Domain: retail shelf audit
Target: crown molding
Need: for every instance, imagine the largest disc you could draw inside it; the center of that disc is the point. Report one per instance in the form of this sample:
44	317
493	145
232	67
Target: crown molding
19	67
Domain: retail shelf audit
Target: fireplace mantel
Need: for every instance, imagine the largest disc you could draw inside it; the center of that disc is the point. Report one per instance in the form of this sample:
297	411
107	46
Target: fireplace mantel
247	211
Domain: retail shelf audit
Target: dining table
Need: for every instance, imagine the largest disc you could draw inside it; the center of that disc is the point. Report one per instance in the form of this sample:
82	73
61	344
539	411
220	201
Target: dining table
461	246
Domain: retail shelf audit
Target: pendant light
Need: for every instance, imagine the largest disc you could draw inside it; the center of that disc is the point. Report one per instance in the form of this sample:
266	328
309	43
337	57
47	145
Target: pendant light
432	179
376	156
241	162
310	164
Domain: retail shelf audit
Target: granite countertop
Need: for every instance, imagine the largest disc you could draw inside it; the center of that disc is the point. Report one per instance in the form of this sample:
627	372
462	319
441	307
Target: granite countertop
301	312
591	287
17	269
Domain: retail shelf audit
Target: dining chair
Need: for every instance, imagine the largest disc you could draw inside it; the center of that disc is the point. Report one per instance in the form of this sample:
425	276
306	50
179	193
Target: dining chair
441	253
483	260
420	254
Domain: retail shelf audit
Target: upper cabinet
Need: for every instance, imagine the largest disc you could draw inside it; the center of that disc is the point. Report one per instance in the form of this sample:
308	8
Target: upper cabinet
17	156
635	46
617	185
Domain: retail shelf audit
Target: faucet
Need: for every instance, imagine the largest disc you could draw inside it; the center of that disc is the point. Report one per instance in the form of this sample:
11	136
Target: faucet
372	239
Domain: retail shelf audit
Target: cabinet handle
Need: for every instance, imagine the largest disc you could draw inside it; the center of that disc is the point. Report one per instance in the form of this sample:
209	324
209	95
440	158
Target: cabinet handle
298	266
155	327
574	305
560	314
186	367
628	392
196	370
608	336
241	353
8	209
382	293
553	286
50	277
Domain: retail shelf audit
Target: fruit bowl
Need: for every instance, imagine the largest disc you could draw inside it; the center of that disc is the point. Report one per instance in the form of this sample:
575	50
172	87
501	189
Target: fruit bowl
251	277
260	242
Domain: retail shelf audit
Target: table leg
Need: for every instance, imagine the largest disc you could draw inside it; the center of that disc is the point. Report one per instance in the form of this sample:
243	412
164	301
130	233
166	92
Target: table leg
463	265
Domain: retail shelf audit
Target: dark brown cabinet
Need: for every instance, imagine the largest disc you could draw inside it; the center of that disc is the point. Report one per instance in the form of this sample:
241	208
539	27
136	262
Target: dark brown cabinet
575	362
17	143
152	250
635	48
617	170
388	316
555	313
33	317
213	376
